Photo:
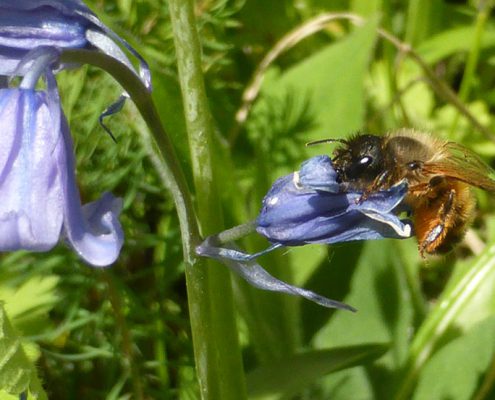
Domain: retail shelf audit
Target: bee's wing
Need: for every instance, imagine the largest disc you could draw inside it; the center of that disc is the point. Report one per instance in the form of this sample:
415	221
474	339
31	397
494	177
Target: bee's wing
460	163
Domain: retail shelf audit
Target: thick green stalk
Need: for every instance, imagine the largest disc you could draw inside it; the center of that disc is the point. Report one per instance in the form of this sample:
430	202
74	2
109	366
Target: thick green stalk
216	347
215	342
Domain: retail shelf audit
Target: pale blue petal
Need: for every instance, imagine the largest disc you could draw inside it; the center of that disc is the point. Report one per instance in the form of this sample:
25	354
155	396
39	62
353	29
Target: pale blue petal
257	276
31	205
317	173
94	231
39	199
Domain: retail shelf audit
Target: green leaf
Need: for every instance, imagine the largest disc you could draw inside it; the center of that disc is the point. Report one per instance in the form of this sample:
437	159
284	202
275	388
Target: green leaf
17	373
378	291
381	291
288	376
28	305
366	7
453	41
481	304
467	357
460	294
328	85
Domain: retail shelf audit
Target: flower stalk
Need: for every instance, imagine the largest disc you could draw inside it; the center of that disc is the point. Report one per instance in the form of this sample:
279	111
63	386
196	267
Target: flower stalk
163	157
208	331
216	347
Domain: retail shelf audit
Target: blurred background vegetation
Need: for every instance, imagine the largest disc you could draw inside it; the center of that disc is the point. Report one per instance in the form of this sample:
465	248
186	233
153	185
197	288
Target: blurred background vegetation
424	329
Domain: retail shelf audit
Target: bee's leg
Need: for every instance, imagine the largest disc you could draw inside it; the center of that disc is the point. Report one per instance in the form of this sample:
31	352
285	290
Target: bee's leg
435	183
377	183
437	232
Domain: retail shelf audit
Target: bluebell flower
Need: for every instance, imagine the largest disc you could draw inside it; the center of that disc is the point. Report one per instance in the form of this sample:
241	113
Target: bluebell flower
26	25
308	206
39	198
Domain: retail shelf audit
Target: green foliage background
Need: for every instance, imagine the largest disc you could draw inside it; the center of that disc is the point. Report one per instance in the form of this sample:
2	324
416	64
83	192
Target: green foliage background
424	329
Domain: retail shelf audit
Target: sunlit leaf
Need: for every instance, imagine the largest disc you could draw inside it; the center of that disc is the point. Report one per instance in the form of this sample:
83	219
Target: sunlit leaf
17	373
455	371
329	86
290	375
380	291
29	304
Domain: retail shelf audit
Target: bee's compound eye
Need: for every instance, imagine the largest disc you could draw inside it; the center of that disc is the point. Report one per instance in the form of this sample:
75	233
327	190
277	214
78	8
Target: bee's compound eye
366	160
413	165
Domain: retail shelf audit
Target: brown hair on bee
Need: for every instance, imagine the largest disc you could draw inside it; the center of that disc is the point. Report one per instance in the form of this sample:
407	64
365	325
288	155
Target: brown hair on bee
439	174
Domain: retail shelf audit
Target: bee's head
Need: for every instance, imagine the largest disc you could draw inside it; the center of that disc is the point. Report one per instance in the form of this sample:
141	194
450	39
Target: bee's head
360	159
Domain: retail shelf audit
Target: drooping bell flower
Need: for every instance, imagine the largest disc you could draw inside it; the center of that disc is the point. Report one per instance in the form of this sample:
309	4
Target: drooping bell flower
26	25
39	198
308	206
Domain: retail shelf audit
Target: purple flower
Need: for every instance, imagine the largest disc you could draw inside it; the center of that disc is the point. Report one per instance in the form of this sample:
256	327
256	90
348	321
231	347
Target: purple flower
39	199
304	207
26	25
307	207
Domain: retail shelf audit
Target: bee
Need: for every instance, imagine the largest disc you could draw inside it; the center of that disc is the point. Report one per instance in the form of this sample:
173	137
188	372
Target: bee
439	174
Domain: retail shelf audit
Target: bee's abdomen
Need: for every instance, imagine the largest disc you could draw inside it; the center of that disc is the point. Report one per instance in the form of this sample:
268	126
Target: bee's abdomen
440	223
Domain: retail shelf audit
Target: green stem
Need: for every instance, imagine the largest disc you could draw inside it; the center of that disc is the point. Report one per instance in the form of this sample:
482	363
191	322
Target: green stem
162	153
487	384
233	234
474	53
216	347
410	270
159	310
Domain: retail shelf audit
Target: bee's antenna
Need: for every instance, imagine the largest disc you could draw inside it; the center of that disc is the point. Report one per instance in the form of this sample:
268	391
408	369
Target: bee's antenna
326	141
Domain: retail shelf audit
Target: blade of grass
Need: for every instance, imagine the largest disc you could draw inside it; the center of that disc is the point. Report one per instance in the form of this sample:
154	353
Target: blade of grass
468	77
421	16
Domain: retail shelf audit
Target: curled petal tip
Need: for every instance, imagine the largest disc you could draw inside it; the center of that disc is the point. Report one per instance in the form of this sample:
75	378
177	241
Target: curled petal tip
39	199
100	238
